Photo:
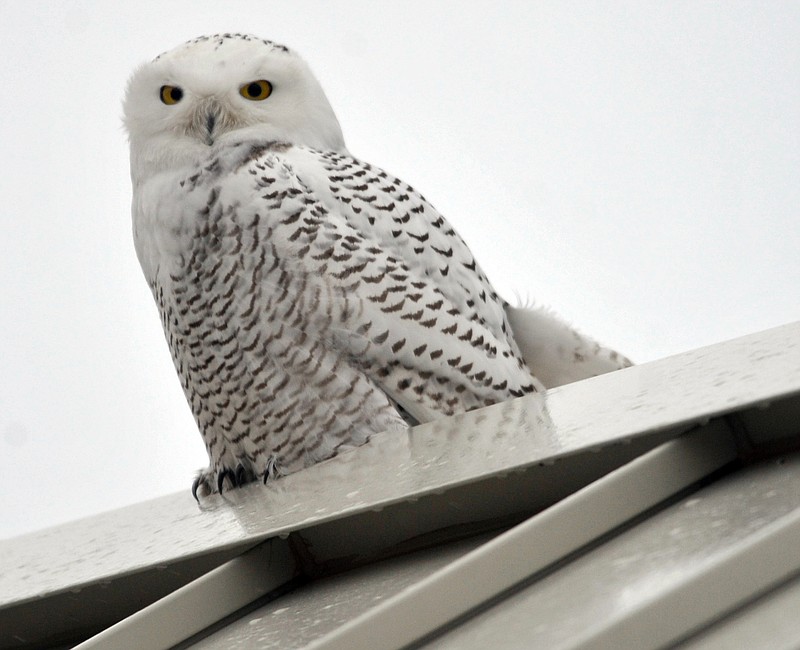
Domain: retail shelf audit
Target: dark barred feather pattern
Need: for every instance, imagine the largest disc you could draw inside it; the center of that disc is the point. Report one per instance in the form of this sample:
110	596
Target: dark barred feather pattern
310	300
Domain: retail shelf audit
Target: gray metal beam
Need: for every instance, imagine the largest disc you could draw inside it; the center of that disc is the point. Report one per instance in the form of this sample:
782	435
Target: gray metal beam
536	544
196	606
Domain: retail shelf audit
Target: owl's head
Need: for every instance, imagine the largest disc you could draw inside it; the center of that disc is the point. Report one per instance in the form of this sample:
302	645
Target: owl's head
219	89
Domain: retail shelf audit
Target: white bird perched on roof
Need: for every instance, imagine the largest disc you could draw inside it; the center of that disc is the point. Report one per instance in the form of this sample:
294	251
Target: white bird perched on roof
309	299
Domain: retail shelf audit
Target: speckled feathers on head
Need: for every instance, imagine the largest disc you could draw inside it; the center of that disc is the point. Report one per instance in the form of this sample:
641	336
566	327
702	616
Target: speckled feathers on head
218	40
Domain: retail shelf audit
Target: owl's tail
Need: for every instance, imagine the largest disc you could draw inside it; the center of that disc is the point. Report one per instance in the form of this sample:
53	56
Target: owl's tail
556	353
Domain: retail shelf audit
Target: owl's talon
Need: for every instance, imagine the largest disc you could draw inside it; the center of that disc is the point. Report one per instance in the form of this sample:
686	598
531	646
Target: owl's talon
196	484
221	478
271	470
241	477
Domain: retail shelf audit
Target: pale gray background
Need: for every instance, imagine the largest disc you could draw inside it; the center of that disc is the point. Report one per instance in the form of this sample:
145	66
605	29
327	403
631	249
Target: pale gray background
635	165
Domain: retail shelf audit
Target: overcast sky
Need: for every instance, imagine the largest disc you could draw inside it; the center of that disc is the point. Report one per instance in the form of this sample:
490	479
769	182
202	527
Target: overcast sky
634	165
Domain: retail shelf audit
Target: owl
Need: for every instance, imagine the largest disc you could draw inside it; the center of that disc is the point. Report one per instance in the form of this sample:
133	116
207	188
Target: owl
309	299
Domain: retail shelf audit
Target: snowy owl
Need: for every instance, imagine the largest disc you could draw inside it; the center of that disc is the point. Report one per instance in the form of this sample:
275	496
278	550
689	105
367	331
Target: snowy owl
309	299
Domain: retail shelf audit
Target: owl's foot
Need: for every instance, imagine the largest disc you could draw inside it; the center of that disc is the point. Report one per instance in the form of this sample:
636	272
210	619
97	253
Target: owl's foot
206	480
213	480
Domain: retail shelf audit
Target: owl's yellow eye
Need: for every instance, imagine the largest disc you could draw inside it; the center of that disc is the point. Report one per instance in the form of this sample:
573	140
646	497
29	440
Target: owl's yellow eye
170	94
256	90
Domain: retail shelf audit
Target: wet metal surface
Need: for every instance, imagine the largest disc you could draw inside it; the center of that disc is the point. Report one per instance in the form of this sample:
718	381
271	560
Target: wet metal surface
534	437
768	623
572	607
297	619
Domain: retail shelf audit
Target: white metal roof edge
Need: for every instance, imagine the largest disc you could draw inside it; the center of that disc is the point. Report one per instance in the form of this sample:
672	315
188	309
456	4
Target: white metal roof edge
455	589
575	523
459	458
667	395
344	542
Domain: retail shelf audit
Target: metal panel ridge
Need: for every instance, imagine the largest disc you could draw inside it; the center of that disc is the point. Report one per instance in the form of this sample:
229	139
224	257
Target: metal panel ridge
537	543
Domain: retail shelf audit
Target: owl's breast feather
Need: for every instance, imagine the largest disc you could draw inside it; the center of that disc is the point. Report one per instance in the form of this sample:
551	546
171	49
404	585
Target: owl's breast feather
163	214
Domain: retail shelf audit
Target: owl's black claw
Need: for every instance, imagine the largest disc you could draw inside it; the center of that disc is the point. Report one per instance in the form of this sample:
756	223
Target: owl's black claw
271	470
241	477
221	478
195	485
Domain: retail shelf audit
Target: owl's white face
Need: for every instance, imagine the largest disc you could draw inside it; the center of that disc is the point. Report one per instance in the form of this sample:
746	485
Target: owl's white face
221	89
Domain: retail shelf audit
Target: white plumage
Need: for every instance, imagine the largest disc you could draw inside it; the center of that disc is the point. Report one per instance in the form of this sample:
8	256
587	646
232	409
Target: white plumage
309	299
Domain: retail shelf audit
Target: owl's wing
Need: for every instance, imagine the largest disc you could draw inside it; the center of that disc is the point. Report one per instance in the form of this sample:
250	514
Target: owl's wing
405	223
362	263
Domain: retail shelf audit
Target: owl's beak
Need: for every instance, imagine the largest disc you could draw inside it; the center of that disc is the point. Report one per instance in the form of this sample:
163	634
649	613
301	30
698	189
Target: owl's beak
207	121
211	115
211	120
